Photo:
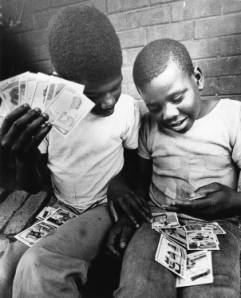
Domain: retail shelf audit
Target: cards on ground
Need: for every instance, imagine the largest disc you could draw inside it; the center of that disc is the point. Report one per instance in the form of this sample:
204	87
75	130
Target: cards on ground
50	219
198	269
34	233
164	220
60	216
64	101
172	256
46	212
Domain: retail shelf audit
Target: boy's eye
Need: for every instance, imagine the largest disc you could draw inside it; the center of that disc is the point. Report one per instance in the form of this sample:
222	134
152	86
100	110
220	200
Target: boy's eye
154	109
178	99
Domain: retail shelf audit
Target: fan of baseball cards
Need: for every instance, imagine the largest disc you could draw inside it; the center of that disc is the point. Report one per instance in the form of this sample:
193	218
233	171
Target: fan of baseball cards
62	100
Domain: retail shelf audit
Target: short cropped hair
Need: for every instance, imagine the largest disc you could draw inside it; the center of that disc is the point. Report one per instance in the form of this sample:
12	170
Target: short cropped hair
84	46
154	58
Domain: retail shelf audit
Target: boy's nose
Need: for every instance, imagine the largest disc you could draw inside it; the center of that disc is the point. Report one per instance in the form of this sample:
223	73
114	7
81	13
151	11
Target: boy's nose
108	102
170	111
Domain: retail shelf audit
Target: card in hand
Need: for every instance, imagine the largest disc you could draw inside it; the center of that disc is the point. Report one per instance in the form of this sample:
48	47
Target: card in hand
171	255
68	108
10	92
198	269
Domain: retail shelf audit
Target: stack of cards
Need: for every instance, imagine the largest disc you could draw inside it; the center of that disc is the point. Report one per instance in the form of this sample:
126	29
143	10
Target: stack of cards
49	219
186	250
62	100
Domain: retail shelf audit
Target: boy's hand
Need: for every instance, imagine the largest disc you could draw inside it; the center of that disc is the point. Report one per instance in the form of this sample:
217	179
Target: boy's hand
219	201
119	236
126	202
22	131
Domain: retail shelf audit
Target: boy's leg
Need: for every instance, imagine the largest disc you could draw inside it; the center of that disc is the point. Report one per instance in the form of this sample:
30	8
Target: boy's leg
8	264
53	265
141	275
226	269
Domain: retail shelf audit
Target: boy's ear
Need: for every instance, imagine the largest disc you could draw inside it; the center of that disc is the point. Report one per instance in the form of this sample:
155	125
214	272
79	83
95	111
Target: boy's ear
198	75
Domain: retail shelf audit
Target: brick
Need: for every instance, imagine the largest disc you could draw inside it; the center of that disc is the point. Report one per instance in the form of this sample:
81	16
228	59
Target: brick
57	3
229	6
159	1
100	4
121	5
129	55
26	214
211	87
127	74
178	31
148	16
41	19
132	38
203	48
222	25
191	9
119	21
230	85
33	38
220	66
37	5
10	205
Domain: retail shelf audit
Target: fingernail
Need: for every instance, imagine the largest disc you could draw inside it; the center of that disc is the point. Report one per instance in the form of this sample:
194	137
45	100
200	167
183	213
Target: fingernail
37	110
137	226
45	115
122	244
25	105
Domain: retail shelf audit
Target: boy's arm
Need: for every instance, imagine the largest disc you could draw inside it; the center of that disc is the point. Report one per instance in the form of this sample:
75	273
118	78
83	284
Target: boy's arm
20	135
217	201
134	175
32	174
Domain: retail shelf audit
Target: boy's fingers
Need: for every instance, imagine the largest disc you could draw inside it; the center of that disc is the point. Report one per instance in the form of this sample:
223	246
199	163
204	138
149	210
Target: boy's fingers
128	211
20	126
37	139
14	115
126	234
209	188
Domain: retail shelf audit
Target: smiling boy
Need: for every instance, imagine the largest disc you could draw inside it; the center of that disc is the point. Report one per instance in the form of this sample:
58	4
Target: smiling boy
187	146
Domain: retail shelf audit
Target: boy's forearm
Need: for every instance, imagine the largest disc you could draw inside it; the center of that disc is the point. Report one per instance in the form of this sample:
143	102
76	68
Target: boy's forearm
32	174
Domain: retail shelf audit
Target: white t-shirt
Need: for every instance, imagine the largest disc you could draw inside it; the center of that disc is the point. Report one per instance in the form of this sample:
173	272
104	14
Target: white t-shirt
209	152
83	162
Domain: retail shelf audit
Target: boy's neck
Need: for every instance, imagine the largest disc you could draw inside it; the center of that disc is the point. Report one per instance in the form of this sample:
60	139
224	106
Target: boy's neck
207	105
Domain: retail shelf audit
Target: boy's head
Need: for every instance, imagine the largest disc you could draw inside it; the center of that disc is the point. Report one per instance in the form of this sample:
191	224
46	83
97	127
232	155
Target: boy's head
85	48
166	79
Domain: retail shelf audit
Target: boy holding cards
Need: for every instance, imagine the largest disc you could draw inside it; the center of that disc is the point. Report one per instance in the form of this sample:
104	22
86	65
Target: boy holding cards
84	48
187	148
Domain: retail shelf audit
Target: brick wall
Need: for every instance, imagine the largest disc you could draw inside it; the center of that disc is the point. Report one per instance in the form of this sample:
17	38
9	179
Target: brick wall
211	30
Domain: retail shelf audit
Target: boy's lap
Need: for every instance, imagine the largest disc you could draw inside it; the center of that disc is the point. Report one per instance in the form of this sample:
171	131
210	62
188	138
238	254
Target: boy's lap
139	261
80	237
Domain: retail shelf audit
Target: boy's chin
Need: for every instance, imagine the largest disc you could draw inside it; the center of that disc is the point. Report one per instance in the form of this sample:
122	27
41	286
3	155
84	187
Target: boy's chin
186	126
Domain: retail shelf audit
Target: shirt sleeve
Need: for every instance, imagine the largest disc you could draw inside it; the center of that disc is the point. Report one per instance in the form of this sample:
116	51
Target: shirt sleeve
130	136
144	138
236	138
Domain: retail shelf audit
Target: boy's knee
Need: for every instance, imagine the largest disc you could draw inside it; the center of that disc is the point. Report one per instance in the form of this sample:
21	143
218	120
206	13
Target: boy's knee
30	259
